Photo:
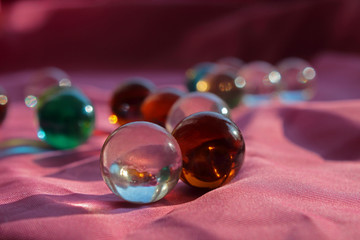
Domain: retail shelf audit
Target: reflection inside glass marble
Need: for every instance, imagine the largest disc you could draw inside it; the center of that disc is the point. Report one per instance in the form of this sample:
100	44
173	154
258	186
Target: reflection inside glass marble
142	168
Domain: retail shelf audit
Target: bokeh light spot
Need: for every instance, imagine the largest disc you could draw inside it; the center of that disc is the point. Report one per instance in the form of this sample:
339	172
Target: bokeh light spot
31	101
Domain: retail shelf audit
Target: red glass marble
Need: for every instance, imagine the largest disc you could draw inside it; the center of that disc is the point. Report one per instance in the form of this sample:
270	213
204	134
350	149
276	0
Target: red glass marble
128	97
3	104
156	106
212	148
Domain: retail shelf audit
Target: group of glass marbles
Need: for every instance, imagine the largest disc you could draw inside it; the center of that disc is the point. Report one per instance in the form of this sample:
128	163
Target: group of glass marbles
253	83
166	134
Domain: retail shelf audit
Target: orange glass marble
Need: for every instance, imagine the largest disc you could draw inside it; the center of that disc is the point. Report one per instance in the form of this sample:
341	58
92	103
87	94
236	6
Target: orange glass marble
156	106
212	148
128	97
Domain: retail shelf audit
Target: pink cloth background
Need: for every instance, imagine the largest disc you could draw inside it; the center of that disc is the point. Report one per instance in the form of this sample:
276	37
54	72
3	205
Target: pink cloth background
301	175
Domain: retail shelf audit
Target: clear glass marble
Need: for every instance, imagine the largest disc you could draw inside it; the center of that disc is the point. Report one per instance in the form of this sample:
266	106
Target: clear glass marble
193	103
229	64
42	80
261	82
141	162
297	79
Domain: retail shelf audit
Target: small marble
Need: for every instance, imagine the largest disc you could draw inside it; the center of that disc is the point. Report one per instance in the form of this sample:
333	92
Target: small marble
212	149
156	106
42	80
127	99
66	117
297	79
4	102
141	162
193	103
261	82
196	73
232	64
225	85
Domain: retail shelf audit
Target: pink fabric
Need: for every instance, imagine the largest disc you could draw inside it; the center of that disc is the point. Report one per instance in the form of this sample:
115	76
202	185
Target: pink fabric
301	175
300	179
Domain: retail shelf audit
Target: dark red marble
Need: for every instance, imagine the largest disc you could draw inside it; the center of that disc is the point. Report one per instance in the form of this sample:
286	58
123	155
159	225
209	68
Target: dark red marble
212	149
128	97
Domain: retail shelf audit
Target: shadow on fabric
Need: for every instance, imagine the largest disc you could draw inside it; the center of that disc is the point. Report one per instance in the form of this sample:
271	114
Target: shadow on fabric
47	205
331	136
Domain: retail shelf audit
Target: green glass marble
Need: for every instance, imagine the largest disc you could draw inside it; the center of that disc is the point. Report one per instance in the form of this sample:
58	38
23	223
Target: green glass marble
66	117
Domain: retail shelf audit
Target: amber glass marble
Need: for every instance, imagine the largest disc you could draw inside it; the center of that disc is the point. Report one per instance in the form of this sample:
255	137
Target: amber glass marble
3	104
156	106
212	148
225	85
128	97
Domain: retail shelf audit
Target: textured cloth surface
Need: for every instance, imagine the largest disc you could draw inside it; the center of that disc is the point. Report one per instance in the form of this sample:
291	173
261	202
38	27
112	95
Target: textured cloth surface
300	178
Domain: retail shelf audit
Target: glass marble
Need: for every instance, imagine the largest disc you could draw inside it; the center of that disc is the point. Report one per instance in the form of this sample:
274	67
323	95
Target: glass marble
4	102
225	85
232	64
156	106
261	82
42	80
66	117
193	103
127	99
196	73
212	149
141	162
297	79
